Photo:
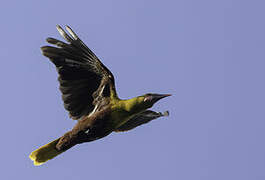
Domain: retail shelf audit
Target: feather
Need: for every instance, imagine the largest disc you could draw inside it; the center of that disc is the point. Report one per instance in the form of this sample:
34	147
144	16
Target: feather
80	72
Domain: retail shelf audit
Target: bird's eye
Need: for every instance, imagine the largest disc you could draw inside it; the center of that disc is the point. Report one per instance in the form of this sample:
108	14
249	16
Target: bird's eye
147	98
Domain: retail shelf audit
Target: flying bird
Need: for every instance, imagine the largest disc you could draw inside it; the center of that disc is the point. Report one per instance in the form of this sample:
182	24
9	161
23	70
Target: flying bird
89	95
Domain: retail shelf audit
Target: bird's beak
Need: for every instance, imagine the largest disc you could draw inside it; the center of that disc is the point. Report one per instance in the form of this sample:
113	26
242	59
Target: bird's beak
157	97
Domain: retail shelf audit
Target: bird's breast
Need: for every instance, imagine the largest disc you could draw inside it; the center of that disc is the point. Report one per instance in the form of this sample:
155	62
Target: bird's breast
119	117
122	111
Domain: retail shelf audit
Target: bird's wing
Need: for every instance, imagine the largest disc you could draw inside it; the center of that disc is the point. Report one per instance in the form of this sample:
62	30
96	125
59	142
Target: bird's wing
139	119
82	76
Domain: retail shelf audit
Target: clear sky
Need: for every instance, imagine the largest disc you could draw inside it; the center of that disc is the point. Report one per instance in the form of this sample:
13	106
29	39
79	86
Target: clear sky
209	54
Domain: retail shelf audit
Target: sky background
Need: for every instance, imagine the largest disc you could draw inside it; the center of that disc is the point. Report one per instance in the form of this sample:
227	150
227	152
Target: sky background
209	54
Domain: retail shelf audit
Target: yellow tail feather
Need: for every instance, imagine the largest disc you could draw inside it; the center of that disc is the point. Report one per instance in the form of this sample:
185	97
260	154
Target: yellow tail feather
45	153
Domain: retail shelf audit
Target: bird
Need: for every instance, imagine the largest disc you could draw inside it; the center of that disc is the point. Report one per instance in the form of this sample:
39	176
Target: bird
90	97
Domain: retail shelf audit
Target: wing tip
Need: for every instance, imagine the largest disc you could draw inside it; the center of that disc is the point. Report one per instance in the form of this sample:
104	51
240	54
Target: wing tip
63	33
58	27
71	32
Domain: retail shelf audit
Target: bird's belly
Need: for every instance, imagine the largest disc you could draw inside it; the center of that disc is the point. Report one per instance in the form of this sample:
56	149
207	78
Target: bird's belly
98	130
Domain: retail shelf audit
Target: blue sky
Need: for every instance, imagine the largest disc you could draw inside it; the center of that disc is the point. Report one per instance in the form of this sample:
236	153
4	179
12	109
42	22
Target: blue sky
208	54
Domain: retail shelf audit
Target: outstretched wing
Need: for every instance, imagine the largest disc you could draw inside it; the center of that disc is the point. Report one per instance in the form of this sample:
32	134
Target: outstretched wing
82	76
140	119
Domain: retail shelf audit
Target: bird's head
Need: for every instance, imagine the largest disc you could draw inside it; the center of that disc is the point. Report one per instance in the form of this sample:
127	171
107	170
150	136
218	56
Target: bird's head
141	103
148	100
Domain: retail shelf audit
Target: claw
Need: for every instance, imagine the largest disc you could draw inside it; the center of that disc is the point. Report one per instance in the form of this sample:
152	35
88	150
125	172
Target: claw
166	113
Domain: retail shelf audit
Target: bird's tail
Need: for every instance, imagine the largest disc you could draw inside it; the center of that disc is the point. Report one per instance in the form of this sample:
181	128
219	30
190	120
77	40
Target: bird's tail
45	153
